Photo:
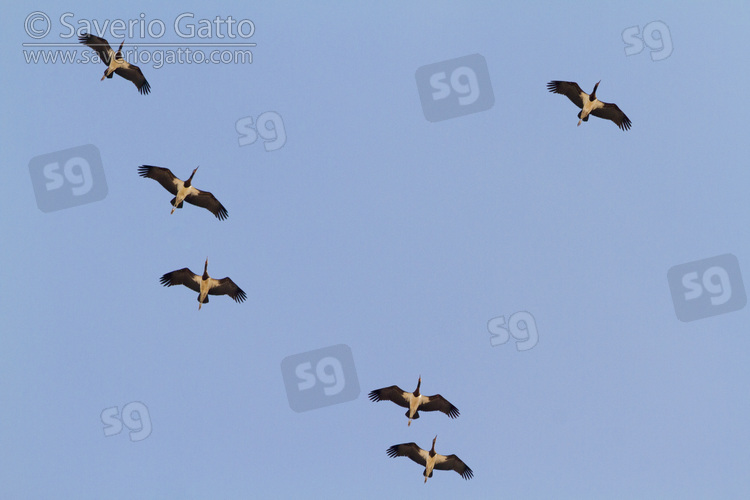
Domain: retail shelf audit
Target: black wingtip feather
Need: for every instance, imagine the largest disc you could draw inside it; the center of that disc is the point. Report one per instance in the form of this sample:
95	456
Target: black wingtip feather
240	296
145	88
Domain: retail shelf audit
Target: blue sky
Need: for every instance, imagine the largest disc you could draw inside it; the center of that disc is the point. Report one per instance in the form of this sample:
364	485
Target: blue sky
400	238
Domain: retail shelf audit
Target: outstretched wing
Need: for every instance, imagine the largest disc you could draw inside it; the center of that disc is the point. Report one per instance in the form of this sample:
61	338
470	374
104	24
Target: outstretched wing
133	73
452	462
208	201
226	286
612	112
182	276
569	89
162	175
410	450
439	403
100	46
393	393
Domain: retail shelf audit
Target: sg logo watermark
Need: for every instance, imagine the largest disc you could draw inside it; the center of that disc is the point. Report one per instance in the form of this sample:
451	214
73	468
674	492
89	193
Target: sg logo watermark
318	378
135	417
456	87
269	126
521	326
707	287
655	36
68	178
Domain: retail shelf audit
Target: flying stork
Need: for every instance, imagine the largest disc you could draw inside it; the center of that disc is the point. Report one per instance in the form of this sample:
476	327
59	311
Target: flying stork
204	285
115	63
430	459
589	104
184	191
414	402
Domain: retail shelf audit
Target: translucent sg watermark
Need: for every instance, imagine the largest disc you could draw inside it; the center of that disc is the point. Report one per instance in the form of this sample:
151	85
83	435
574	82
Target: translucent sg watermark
455	87
520	325
655	36
319	378
134	416
707	287
269	126
68	178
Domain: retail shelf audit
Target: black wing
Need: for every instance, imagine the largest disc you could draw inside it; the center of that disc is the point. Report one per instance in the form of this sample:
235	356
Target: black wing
208	201
410	450
439	403
393	393
452	462
134	74
162	175
612	112
182	276
569	89
226	286
100	46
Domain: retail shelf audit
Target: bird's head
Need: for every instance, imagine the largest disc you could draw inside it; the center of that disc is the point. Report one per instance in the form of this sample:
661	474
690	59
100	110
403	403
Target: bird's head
189	181
419	383
433	442
596	87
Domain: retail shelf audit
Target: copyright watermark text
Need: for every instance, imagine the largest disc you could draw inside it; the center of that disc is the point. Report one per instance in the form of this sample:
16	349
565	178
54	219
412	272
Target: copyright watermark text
39	25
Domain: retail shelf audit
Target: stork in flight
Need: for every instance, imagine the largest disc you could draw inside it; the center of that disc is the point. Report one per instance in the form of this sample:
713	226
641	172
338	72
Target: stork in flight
115	63
430	459
589	104
204	285
414	401
184	191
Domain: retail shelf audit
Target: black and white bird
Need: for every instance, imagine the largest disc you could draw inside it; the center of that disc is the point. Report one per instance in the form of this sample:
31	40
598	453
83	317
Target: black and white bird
430	459
589	104
184	190
115	63
204	285
414	401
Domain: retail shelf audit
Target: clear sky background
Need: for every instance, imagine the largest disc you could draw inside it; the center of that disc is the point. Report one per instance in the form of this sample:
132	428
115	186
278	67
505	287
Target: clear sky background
401	238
